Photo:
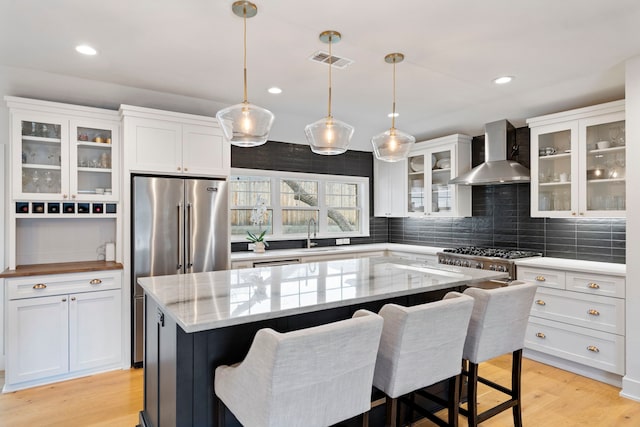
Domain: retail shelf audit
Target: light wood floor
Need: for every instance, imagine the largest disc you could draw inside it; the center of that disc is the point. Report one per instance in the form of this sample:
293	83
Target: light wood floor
552	398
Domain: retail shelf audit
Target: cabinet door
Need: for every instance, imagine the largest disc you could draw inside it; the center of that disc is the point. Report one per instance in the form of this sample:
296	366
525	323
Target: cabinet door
93	160
37	338
555	170
94	329
205	151
40	146
154	145
416	184
442	195
389	197
602	165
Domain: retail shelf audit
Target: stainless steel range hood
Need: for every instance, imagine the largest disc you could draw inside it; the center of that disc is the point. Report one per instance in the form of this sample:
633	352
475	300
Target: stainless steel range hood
496	169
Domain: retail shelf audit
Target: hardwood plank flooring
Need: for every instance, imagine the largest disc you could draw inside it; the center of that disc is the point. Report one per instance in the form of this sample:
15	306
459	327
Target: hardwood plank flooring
552	397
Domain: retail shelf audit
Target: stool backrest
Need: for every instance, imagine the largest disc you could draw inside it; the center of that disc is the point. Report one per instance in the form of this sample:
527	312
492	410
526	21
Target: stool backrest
421	345
499	320
316	376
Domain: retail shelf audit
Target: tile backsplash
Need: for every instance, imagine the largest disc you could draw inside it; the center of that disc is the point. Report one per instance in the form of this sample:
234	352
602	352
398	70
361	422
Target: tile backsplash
500	213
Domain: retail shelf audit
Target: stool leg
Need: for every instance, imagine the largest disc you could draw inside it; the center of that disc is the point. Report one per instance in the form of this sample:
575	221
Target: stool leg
453	400
221	411
392	412
472	395
516	376
365	419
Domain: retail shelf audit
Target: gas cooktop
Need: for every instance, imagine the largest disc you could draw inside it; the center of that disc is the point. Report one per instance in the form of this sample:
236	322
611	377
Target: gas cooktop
492	252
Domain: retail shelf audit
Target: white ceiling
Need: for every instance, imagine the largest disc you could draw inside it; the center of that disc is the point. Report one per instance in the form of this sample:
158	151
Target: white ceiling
563	54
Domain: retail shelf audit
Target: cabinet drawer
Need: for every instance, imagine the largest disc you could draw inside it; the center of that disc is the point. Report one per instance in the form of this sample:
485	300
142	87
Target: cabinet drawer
590	311
57	284
542	277
597	349
596	284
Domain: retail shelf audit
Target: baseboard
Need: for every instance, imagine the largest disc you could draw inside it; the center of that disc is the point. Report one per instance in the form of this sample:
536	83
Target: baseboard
630	388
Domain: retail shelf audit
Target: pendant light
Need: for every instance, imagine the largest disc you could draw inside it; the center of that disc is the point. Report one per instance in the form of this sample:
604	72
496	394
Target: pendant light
392	145
245	124
329	136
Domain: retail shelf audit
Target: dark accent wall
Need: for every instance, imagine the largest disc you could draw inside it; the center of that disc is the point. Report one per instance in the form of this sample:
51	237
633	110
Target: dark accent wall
500	213
299	158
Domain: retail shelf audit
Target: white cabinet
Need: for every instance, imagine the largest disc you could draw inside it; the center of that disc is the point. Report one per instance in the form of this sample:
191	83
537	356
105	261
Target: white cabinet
431	164
578	162
389	182
62	326
579	318
63	152
175	143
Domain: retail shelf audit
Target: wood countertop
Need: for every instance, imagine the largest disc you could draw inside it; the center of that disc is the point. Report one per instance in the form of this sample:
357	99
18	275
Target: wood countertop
60	268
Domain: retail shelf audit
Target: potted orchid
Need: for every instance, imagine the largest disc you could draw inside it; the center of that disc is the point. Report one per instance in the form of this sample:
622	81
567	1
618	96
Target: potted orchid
257	217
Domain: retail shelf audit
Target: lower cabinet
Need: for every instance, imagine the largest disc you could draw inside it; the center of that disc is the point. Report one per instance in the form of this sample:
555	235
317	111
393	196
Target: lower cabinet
577	321
61	327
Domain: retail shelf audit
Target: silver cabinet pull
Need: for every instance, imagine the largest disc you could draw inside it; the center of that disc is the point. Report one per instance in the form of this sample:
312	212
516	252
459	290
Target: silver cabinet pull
95	281
540	302
541	279
593	312
39	286
593	285
540	335
64	300
593	348
73	298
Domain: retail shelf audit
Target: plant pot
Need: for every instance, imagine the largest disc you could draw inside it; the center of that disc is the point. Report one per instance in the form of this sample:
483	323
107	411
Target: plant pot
258	247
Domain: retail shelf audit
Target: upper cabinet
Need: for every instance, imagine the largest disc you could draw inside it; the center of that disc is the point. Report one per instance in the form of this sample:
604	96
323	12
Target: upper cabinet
63	152
431	164
578	162
174	143
389	179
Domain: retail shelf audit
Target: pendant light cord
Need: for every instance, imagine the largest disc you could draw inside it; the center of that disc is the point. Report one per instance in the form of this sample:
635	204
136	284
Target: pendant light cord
393	112
245	53
330	66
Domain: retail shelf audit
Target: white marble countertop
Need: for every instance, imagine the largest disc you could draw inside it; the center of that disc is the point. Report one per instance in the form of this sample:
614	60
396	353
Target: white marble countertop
271	254
574	265
203	301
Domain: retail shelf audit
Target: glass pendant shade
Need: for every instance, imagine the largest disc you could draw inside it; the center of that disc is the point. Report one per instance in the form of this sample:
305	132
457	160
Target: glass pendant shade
245	124
392	145
328	136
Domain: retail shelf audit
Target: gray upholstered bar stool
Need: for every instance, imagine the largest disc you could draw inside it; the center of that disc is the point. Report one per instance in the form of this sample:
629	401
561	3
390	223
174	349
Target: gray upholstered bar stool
421	346
498	325
310	377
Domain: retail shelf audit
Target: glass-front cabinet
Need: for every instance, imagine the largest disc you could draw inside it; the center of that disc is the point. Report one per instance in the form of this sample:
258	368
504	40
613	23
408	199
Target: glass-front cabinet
64	158
431	164
578	163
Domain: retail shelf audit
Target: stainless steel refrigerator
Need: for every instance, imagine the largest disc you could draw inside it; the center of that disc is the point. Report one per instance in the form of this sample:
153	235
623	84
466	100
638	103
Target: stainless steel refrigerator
180	225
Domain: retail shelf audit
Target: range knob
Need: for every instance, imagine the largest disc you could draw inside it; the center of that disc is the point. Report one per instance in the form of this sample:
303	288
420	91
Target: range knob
501	268
478	265
458	262
466	263
492	267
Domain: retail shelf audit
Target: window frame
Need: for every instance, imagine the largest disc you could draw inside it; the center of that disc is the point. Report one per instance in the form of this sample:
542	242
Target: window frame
274	203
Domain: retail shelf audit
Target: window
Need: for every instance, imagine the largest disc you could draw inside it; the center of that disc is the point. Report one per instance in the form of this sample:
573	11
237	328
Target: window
287	204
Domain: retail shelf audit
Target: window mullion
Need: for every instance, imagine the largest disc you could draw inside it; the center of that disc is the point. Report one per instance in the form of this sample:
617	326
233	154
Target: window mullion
323	225
277	209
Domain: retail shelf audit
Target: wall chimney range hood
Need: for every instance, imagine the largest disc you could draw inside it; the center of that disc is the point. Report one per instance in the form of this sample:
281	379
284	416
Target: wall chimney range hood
496	169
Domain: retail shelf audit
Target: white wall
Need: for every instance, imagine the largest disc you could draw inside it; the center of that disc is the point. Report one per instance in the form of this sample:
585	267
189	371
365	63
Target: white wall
631	381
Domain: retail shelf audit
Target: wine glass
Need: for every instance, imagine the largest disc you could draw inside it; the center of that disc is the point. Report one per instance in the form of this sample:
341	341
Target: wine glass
35	179
48	179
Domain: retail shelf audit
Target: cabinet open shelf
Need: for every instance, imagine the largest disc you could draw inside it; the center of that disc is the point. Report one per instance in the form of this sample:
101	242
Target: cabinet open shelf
39	166
555	156
41	139
94	145
92	170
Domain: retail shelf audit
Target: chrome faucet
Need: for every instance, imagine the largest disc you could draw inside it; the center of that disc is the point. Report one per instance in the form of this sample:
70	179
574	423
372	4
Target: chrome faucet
310	244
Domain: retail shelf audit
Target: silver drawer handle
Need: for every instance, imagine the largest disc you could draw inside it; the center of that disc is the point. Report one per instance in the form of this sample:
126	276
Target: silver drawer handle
593	286
593	348
594	312
95	282
541	335
540	302
39	286
541	279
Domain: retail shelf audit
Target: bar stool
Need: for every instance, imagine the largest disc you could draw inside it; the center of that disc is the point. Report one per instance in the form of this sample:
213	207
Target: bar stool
421	346
498	325
317	376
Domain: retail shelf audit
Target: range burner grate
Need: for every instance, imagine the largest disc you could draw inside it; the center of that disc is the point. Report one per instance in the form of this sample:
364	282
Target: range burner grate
492	252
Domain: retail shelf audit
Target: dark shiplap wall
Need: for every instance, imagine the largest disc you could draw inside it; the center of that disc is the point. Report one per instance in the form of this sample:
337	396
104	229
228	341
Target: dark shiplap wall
500	212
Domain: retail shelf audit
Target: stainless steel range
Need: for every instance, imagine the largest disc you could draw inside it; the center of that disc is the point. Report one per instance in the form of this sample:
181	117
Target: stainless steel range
485	258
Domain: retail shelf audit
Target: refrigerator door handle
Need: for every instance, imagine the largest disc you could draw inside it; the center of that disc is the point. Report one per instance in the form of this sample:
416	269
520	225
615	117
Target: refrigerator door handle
180	239
189	235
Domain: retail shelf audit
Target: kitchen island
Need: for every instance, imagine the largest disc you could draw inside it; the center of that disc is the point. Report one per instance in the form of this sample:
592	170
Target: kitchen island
195	322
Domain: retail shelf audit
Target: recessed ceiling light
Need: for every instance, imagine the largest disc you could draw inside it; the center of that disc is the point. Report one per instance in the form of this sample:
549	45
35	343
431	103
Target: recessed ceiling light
393	114
86	49
502	80
274	90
